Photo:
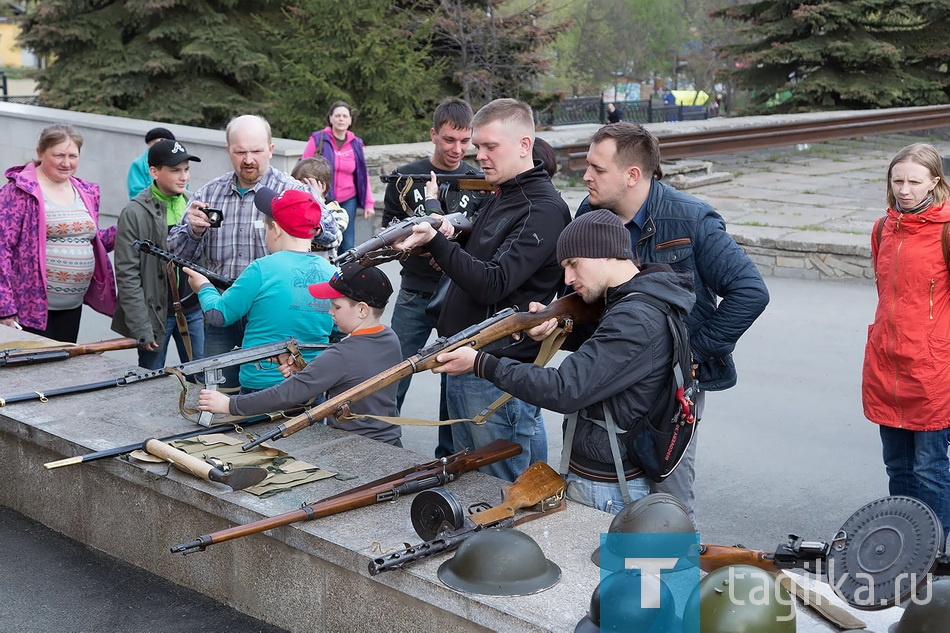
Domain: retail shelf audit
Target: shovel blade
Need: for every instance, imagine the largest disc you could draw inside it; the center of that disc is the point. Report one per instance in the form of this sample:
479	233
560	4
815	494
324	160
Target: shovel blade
241	477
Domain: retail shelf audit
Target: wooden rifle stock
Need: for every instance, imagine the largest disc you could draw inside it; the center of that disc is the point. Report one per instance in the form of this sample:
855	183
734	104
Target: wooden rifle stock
62	352
537	483
568	310
712	557
378	249
390	488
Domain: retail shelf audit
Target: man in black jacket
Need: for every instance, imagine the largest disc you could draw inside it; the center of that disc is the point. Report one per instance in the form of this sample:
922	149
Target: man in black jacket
508	261
621	370
675	228
451	135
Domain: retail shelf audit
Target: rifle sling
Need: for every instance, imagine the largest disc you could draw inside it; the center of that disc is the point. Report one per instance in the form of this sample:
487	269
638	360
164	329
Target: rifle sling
549	347
171	272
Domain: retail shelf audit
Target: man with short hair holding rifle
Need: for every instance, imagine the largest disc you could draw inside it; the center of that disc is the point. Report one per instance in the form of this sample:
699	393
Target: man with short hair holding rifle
508	260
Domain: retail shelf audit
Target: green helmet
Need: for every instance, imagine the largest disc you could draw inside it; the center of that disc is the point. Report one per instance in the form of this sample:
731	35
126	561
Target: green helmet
926	615
745	599
625	614
499	562
657	513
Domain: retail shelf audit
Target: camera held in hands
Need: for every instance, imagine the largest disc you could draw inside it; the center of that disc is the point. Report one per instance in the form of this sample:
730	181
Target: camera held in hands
214	216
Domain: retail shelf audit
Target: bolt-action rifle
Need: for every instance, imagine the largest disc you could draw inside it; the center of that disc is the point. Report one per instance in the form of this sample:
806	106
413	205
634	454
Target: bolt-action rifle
568	310
378	249
537	484
210	369
9	357
389	488
464	182
149	248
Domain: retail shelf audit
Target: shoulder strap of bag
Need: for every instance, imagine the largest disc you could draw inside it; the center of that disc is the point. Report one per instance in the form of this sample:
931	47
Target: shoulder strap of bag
944	238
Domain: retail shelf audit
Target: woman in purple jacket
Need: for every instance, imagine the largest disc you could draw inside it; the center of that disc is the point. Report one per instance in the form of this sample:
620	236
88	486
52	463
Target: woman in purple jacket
53	256
344	151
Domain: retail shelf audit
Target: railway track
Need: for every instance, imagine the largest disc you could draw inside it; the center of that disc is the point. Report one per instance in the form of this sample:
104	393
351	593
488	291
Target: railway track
764	136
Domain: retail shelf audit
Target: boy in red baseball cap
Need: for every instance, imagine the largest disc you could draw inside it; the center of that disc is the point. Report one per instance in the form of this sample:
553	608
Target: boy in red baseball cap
358	297
272	293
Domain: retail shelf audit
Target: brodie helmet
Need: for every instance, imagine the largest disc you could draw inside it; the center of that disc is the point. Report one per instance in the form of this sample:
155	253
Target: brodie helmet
499	562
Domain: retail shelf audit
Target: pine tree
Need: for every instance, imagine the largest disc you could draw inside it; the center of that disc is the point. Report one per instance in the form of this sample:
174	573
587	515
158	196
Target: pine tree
852	54
373	54
194	62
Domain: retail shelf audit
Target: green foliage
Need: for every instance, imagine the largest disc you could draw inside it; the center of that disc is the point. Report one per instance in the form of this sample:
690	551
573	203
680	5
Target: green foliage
372	54
630	38
843	55
187	61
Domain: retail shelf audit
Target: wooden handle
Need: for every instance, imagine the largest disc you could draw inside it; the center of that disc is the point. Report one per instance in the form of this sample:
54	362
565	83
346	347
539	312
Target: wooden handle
537	483
181	459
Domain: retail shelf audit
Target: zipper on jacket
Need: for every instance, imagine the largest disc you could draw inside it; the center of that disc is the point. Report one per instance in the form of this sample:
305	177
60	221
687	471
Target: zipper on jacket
899	234
932	284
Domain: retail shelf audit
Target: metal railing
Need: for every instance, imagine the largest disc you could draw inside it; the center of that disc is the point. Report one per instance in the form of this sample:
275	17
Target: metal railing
675	145
594	110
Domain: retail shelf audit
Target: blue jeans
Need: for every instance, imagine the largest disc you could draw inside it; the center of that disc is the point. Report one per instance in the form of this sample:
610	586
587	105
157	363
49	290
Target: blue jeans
516	421
196	332
604	495
917	466
219	340
349	235
413	327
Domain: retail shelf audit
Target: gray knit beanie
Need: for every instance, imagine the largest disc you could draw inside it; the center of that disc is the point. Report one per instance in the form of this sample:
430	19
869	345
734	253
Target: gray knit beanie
596	235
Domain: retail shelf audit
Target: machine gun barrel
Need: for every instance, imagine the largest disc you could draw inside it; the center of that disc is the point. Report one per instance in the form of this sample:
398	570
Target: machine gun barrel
149	248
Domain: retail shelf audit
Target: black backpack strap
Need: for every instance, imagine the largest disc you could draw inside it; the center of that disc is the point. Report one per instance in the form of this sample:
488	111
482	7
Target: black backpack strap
946	244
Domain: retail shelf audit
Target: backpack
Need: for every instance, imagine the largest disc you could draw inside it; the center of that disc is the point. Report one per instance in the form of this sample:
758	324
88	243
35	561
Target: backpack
944	240
660	439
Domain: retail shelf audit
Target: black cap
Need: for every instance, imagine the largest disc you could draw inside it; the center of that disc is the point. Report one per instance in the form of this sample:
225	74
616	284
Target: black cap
158	132
369	285
168	153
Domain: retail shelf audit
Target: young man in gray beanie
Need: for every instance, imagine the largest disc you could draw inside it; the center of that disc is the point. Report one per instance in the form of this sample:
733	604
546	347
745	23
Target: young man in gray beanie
618	372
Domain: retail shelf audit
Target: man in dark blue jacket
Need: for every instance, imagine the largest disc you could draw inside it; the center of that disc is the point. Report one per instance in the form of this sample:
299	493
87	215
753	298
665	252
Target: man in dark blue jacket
671	227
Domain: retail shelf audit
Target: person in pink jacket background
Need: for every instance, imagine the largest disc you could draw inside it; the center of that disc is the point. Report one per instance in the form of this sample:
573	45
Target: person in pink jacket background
344	150
907	357
53	256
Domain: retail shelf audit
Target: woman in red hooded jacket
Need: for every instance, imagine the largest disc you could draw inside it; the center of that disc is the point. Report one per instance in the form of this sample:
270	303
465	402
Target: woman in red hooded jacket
907	357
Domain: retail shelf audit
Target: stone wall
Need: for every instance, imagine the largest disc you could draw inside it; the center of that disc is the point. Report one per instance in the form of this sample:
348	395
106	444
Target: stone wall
808	260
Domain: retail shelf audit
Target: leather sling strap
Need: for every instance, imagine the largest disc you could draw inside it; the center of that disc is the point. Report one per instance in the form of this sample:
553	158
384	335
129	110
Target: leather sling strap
180	320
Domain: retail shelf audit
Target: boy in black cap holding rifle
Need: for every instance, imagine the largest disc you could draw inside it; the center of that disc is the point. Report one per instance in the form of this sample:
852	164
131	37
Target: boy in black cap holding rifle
145	302
358	297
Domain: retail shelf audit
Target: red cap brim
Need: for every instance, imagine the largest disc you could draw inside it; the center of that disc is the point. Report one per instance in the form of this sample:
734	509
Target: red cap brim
324	291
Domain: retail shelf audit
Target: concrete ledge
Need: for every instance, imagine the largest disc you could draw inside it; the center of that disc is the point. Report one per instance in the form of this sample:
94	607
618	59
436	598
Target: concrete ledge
843	256
306	577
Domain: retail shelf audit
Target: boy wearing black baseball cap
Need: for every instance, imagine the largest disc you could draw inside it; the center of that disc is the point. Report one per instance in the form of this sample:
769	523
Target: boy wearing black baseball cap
271	293
146	303
358	297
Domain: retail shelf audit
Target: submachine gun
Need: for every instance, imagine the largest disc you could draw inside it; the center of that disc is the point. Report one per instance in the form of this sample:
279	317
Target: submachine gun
437	515
379	248
879	558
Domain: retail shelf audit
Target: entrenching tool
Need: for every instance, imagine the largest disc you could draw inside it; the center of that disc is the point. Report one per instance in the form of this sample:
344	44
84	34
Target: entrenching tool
238	478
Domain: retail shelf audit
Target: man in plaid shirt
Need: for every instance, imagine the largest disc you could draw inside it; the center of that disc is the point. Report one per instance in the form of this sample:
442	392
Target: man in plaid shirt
231	247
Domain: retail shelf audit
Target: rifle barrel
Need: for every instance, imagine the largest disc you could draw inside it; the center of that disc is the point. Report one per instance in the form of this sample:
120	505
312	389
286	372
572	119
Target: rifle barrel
42	396
62	352
570	308
388	488
149	248
122	450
